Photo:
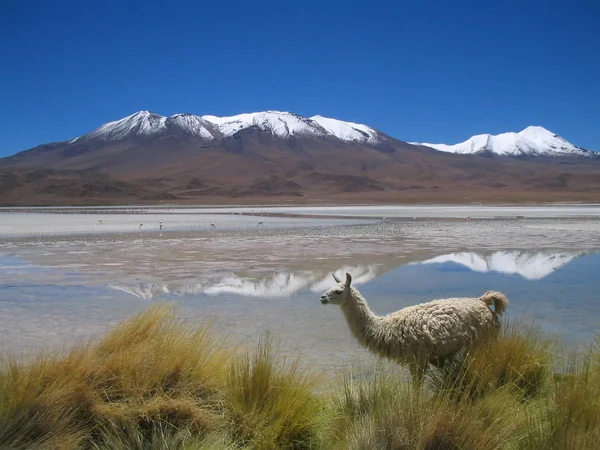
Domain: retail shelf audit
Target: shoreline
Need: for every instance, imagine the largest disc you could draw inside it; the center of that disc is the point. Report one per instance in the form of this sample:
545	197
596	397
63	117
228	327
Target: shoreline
309	204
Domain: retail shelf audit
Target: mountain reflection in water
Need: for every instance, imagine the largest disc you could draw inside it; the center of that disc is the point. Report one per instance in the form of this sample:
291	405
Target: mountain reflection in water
529	265
282	284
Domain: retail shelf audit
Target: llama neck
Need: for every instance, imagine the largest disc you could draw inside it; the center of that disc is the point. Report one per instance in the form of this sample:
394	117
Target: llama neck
361	320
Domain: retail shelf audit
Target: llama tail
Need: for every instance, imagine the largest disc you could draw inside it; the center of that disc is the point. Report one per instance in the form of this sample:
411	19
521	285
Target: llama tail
498	299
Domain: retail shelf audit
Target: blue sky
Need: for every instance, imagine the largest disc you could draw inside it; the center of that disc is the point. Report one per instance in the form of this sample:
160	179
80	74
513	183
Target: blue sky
417	70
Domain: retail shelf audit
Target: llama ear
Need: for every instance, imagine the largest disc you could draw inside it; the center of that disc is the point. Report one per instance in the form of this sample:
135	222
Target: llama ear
337	280
348	279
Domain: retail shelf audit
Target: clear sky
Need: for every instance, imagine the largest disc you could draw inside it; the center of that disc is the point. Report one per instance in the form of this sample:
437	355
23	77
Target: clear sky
418	70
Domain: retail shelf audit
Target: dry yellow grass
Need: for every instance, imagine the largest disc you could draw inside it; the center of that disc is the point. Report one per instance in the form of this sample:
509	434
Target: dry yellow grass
158	382
151	368
521	359
150	378
386	411
271	402
569	417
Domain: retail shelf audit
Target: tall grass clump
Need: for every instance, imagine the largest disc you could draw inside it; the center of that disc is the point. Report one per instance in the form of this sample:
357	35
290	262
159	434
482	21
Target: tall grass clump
162	437
270	401
386	411
519	359
40	408
153	369
570	417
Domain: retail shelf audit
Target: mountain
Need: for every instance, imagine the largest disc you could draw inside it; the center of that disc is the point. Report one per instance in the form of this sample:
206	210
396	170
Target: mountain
529	265
532	141
281	124
275	156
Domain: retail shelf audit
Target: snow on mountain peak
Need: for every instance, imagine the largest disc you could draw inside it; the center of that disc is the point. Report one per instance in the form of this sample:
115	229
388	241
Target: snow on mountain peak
349	131
139	123
533	140
278	123
533	130
193	125
147	123
286	124
549	139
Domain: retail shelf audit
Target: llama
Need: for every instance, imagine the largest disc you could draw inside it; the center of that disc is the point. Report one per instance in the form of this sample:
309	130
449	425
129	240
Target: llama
419	335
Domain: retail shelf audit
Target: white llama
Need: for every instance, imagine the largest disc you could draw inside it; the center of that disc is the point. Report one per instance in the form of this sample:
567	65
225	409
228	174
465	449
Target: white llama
422	334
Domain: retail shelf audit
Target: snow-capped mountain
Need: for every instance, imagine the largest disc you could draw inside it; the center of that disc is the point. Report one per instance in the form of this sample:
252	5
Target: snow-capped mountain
281	124
348	131
142	123
192	125
529	265
147	157
532	141
148	124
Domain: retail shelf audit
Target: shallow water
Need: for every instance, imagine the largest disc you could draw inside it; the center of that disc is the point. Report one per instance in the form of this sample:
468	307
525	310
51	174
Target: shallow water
61	282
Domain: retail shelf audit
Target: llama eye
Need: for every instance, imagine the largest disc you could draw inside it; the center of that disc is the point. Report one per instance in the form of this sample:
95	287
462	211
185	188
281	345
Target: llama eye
338	292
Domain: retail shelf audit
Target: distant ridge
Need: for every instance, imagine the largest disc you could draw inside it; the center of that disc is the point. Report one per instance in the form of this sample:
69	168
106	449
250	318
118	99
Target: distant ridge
532	141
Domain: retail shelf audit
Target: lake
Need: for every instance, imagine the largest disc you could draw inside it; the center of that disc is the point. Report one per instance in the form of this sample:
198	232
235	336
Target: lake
66	275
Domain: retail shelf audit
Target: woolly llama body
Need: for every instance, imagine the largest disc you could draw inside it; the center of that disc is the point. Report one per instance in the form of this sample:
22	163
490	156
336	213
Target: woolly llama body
422	334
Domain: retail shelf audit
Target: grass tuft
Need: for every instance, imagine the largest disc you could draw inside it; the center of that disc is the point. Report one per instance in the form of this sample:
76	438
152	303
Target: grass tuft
386	411
520	359
151	369
270	401
570	417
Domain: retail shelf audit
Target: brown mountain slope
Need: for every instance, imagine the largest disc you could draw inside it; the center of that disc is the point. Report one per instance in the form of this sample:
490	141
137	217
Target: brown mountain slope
255	166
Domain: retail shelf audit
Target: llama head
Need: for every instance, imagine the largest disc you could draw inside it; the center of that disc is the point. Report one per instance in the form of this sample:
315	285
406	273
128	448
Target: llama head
339	293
